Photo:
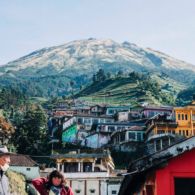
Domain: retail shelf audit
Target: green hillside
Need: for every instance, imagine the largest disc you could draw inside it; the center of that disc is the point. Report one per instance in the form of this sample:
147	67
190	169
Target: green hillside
136	88
186	96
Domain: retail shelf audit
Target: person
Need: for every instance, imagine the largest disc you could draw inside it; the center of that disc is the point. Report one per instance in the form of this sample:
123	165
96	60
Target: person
4	165
55	184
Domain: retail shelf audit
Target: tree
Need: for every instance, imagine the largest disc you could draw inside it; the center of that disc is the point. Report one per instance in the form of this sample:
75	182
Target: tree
108	75
94	78
6	130
120	73
101	75
31	134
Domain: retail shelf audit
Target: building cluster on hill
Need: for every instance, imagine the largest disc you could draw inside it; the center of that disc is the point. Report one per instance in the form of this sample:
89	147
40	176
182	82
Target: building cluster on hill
122	127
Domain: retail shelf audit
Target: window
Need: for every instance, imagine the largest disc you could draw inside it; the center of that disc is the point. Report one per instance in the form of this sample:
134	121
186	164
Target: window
122	136
114	192
101	120
108	121
187	133
186	117
78	191
87	121
87	167
28	169
132	135
182	116
139	137
92	191
161	131
111	128
98	161
179	117
80	120
193	117
149	190
70	167
111	112
95	121
184	186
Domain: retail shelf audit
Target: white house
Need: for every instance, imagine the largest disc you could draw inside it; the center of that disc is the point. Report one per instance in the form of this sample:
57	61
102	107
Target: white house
25	165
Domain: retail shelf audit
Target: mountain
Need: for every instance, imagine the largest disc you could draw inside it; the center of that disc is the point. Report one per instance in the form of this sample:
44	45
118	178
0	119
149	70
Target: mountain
48	71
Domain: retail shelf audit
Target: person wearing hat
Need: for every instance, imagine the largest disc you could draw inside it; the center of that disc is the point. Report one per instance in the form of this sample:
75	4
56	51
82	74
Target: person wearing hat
4	165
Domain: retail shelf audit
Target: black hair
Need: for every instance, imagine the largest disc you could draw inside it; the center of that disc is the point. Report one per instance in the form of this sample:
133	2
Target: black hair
52	175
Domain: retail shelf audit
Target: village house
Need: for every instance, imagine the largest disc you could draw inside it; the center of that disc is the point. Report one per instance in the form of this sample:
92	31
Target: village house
160	132
150	111
98	110
117	126
77	128
86	110
63	112
128	139
185	117
96	139
123	116
100	135
89	172
168	172
25	165
112	110
86	121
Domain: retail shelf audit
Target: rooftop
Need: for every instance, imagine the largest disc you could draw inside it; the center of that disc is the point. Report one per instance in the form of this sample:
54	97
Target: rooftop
77	154
22	160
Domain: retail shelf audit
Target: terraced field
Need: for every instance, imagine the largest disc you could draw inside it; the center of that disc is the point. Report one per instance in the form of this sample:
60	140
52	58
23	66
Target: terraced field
121	91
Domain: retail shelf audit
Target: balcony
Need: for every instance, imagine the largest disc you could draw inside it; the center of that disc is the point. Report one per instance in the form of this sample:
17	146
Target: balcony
157	136
86	175
169	124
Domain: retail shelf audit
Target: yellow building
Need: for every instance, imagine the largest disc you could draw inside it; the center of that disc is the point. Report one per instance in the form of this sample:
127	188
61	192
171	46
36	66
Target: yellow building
185	118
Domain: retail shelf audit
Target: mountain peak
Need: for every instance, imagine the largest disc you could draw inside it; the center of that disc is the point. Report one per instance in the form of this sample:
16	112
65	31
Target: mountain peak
88	55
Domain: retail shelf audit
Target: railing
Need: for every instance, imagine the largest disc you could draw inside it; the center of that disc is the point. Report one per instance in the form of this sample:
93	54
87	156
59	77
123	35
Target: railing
166	123
160	135
86	175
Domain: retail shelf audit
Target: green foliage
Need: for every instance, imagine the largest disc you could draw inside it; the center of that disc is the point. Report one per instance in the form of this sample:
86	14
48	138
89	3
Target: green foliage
99	76
17	183
11	98
136	87
56	85
120	73
30	136
186	96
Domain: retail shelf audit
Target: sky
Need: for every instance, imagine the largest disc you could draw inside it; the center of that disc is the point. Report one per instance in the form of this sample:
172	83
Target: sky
164	25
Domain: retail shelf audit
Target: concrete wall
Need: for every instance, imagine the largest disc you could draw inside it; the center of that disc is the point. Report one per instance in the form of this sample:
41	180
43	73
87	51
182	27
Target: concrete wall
113	189
29	172
93	186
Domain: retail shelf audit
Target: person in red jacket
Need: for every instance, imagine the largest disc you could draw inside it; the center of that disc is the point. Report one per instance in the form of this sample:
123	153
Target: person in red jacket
55	184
